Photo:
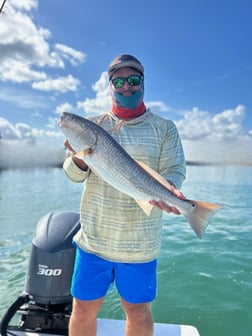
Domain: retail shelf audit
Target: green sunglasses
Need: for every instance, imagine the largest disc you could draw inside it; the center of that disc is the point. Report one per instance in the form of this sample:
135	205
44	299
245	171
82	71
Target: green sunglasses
133	80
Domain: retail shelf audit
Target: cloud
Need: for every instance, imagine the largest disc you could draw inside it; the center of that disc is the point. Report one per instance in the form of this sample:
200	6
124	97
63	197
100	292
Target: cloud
24	4
21	40
19	72
26	51
74	56
21	131
158	105
102	101
198	124
228	124
64	107
61	84
218	138
7	130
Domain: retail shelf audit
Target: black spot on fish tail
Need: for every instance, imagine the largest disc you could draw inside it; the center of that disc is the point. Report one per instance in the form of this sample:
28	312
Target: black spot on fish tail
200	216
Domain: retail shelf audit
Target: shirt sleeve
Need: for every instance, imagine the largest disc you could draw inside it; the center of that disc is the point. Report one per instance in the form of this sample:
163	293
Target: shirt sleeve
172	164
73	172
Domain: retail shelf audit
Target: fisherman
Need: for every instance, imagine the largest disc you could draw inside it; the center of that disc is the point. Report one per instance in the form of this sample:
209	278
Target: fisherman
117	242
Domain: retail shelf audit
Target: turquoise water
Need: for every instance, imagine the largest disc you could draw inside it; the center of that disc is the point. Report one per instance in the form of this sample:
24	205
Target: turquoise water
206	283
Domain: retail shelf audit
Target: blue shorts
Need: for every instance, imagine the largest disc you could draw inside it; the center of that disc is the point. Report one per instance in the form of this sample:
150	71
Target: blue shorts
92	277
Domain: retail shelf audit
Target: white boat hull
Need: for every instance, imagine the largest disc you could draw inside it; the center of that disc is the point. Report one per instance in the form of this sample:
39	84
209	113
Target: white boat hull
107	327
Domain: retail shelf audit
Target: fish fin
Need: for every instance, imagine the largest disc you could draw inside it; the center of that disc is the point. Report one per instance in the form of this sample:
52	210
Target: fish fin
155	175
146	206
200	216
82	153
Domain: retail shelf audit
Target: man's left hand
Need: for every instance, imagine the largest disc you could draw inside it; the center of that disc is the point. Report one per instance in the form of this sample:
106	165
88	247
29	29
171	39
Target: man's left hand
167	208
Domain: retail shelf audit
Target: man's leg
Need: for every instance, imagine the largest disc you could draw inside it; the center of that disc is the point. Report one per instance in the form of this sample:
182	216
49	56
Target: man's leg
83	317
91	279
136	283
138	319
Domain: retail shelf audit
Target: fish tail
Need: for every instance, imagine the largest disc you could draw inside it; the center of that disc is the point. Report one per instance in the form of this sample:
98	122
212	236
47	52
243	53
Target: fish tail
200	216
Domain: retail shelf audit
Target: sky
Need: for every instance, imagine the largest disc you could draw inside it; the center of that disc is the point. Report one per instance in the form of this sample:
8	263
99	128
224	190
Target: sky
197	56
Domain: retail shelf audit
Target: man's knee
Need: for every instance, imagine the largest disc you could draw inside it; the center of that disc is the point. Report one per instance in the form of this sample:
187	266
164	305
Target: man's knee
86	309
139	313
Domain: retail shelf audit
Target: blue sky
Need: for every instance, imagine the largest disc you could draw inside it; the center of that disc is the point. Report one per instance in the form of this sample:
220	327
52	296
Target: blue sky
197	56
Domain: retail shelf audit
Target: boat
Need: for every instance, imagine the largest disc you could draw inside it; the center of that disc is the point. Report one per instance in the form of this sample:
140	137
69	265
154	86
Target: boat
44	307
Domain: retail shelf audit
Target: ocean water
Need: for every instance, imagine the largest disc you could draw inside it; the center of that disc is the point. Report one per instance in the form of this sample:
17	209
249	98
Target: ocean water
206	283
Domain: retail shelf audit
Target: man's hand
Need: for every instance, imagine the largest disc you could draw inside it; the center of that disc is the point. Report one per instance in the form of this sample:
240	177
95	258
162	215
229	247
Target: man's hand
80	163
165	207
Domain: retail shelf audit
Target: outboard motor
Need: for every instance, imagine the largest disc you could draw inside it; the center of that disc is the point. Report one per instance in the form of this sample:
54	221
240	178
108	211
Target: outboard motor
47	302
51	261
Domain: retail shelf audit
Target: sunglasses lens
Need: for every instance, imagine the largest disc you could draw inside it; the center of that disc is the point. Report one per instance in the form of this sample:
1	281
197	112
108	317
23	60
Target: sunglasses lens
118	82
133	80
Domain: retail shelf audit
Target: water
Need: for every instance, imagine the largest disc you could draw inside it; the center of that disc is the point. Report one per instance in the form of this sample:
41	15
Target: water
206	283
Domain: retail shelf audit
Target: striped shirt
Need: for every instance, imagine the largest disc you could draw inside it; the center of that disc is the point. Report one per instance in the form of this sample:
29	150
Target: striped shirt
113	225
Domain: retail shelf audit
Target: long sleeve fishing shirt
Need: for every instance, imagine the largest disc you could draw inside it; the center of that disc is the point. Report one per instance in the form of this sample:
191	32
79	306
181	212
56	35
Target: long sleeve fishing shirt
113	225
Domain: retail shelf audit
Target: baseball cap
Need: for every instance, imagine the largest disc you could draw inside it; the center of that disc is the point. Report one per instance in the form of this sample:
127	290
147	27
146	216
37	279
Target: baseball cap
123	61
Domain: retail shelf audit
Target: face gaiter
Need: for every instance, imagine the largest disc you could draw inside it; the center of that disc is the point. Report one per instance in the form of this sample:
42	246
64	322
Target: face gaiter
128	107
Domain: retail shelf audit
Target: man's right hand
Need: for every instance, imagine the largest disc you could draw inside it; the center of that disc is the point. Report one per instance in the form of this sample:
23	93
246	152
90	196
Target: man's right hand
80	163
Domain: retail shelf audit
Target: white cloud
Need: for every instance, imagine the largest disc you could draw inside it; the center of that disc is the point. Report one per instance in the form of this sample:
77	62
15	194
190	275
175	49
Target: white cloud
216	138
64	107
21	40
52	123
158	106
102	101
19	131
40	133
25	47
23	131
24	4
17	71
7	130
197	124
61	84
74	56
228	124
231	115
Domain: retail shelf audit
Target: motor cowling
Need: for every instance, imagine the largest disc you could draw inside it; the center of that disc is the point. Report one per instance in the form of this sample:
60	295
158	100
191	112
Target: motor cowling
51	262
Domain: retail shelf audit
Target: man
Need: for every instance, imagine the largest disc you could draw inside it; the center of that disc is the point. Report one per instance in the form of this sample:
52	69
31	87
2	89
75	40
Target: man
117	241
